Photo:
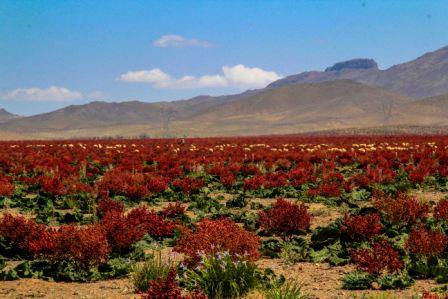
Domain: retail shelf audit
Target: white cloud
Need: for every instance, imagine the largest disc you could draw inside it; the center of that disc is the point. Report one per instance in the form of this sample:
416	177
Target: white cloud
240	75
154	76
178	41
236	76
36	94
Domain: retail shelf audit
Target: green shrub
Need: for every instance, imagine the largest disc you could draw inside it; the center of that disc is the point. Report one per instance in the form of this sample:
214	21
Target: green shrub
357	280
395	281
152	269
289	290
219	277
297	250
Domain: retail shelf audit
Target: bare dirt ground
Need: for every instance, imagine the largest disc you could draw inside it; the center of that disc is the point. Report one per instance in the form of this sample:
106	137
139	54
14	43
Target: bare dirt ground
318	281
35	288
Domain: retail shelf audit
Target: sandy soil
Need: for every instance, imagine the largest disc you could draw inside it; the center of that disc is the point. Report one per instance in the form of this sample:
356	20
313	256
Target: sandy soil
318	281
34	288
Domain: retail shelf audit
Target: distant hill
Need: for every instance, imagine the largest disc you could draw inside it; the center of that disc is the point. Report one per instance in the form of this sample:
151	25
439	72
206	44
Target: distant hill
288	109
350	96
5	115
305	107
423	77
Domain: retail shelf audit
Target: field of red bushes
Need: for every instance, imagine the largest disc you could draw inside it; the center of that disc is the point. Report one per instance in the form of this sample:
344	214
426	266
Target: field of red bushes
371	207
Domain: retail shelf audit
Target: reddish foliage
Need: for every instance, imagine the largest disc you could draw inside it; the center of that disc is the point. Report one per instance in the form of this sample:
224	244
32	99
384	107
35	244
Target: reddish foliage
361	227
382	257
128	184
328	189
425	242
254	183
86	245
285	218
51	185
168	289
157	184
211	236
228	180
25	234
173	211
188	185
403	209
124	230
6	186
441	210
108	205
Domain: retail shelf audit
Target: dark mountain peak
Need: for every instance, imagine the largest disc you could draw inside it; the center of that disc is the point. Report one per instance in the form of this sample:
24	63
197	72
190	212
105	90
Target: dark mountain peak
3	111
6	115
358	63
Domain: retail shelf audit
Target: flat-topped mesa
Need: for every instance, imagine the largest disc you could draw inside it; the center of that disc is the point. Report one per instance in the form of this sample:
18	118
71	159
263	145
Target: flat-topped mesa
359	63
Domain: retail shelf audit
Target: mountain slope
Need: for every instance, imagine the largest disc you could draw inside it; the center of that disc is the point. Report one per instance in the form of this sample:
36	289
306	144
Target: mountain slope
423	77
5	115
428	112
288	109
303	107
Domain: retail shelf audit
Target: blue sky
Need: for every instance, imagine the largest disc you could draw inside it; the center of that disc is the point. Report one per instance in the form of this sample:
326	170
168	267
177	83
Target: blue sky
57	53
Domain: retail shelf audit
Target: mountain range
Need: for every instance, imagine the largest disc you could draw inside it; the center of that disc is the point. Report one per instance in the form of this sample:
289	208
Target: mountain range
350	96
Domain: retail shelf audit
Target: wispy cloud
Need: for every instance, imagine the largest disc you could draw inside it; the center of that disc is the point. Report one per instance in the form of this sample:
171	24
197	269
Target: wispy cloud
178	41
36	94
234	76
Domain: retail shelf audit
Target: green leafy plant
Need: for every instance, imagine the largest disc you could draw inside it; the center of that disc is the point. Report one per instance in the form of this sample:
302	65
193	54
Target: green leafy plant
333	254
289	290
219	276
238	201
271	247
395	281
294	251
357	280
152	269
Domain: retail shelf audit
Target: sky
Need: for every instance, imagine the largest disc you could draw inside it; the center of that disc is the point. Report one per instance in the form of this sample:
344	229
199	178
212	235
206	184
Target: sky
58	53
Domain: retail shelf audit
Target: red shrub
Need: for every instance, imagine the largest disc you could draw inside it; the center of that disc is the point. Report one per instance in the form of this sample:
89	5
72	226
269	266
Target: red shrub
327	189
425	242
228	180
361	227
254	183
73	185
382	257
285	218
6	187
173	211
441	210
52	185
108	205
211	236
276	180
168	289
86	245
124	230
25	234
300	175
188	185
157	184
117	182
403	209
